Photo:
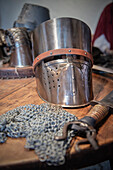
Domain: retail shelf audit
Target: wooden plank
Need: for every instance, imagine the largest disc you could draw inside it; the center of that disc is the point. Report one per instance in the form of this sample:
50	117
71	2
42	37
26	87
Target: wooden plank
11	85
23	92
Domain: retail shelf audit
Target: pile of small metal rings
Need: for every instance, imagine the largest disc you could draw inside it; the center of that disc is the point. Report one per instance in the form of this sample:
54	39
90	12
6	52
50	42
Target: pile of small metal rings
39	124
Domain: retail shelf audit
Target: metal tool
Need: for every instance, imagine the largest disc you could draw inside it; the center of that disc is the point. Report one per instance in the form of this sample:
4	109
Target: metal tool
102	69
85	126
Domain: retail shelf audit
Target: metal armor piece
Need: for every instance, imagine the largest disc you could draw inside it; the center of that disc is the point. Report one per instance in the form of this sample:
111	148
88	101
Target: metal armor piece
21	54
63	66
39	124
62	33
3	44
31	16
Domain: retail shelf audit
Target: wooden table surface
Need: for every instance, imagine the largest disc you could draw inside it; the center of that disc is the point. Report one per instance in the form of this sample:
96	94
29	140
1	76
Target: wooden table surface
18	92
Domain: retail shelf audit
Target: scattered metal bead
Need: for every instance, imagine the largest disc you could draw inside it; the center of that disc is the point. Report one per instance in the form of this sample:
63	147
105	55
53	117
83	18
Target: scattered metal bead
39	124
3	137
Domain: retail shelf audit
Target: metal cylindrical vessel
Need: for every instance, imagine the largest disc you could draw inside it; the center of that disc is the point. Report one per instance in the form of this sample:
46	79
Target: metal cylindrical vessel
62	33
63	66
21	54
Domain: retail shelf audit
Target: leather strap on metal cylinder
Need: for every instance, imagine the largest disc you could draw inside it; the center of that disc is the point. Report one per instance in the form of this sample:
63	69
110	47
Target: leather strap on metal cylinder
62	51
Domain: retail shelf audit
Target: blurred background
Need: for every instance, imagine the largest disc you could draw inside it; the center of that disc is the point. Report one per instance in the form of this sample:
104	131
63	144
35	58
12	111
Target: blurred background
97	14
88	11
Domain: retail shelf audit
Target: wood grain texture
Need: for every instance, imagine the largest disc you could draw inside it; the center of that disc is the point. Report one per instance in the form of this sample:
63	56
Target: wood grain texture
14	93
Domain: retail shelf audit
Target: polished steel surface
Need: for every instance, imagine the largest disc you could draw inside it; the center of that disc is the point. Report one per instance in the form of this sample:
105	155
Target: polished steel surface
62	33
64	79
21	54
63	82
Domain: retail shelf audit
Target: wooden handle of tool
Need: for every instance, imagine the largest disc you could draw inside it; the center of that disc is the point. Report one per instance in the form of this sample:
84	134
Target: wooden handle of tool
96	114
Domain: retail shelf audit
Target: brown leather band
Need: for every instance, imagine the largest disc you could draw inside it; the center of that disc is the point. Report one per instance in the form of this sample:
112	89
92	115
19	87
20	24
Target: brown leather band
62	51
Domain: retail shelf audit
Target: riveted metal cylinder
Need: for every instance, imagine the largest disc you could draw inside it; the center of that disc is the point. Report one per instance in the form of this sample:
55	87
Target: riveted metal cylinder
63	69
62	33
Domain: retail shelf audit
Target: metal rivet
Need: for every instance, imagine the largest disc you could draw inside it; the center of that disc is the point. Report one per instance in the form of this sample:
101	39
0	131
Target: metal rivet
85	53
37	58
69	50
51	53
